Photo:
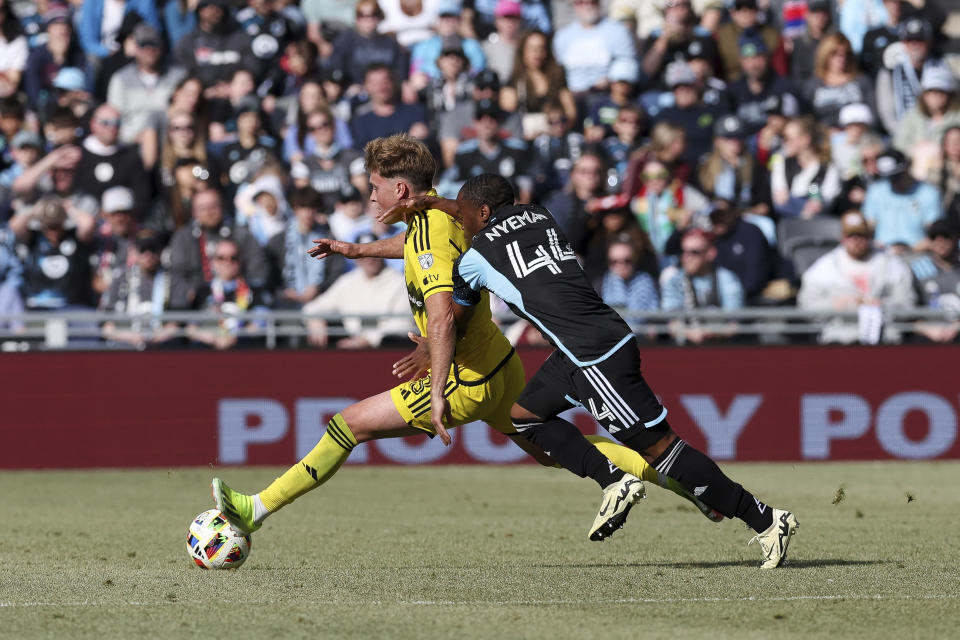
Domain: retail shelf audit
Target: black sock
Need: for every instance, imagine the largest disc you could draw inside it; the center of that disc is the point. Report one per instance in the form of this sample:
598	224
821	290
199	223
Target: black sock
701	476
565	444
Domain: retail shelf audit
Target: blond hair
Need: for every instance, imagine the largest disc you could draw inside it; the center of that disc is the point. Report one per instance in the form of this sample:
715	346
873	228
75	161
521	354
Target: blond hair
400	156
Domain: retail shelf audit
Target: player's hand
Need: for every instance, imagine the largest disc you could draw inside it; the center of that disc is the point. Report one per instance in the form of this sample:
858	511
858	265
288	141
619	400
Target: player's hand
415	364
440	412
328	246
405	206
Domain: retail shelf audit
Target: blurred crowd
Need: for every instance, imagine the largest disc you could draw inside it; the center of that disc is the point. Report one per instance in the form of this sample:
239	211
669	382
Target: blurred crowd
164	155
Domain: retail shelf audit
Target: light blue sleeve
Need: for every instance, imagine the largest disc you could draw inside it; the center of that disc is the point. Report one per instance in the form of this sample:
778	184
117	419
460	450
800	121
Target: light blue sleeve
731	291
621	42
478	60
931	206
871	202
672	299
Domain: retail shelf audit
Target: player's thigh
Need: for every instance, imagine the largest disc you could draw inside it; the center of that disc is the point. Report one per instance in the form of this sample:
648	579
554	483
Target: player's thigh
505	388
551	390
412	402
376	417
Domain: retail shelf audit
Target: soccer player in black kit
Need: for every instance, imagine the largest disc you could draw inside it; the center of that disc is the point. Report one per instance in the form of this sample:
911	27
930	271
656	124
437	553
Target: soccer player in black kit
519	254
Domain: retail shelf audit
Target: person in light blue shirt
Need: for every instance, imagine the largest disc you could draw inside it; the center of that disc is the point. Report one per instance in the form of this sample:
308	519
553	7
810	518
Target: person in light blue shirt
699	283
624	286
899	207
587	47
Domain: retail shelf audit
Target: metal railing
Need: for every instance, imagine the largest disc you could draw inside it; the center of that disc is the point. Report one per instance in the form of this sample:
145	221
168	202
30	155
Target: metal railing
287	329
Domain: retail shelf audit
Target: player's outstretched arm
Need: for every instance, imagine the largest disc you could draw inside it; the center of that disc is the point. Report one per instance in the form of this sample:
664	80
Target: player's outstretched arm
386	248
404	207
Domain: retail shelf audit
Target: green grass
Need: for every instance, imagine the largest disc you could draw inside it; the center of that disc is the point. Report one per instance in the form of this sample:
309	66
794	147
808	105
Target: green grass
463	552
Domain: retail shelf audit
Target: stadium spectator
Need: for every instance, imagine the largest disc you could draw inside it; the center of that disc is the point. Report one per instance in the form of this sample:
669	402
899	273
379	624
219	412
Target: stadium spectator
14	50
857	17
696	284
665	43
189	176
107	162
937	272
457	125
332	169
665	204
769	139
187	97
193	246
947	177
701	54
920	133
54	175
142	91
759	85
745	26
357	49
183	138
303	278
55	247
731	174
855	275
11	280
179	19
270	31
100	23
373	301
667	145
875	40
215	48
836	81
688	111
26	148
855	120
298	65
854	189
490	152
408	21
424	55
59	49
115	236
537	79
261	207
252	148
624	285
586	182
297	144
588	45
625	140
742	248
803	182
817	24
898	206
480	16
501	46
384	114
350	218
224	111
624	76
69	97
228	294
139	291
556	151
450	87
117	60
898	87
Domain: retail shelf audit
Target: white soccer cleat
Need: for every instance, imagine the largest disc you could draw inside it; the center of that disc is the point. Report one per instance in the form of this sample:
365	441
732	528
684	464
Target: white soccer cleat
775	540
618	498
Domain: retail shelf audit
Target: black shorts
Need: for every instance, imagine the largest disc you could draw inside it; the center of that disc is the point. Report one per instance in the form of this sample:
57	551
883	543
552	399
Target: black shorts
613	391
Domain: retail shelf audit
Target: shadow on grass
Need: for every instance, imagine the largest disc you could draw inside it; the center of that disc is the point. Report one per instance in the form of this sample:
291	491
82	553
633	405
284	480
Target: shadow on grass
791	564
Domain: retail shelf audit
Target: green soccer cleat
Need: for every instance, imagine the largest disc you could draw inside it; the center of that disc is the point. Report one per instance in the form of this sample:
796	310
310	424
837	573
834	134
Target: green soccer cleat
236	507
775	540
618	498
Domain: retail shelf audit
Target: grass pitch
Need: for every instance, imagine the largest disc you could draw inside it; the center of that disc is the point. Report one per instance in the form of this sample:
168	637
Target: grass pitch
463	552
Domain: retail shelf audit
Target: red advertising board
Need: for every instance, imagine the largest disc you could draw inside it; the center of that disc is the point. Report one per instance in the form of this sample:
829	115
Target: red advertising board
157	409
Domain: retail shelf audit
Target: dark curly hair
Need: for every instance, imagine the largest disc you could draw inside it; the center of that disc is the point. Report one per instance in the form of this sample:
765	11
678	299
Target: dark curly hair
488	189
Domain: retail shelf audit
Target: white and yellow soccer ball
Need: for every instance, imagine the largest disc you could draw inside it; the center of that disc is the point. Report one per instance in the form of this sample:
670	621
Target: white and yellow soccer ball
213	543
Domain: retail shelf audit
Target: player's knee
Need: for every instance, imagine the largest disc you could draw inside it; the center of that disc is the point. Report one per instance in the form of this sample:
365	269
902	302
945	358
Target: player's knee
519	414
648	441
351	427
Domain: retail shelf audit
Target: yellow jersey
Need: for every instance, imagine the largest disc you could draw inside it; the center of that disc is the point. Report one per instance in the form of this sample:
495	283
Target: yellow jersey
433	242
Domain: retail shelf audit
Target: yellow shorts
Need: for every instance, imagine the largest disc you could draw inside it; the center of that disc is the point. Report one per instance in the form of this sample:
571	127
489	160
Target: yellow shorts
489	400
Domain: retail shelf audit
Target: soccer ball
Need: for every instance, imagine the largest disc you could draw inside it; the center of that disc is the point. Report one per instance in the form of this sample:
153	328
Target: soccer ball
213	543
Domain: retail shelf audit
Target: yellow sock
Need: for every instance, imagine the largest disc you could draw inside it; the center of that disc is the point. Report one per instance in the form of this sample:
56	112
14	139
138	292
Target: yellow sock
627	459
314	469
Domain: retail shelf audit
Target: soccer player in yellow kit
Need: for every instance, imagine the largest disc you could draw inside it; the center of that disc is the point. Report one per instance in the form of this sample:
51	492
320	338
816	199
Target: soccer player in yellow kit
482	384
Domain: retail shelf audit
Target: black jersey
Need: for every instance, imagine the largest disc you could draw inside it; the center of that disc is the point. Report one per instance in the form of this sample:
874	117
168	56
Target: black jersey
523	257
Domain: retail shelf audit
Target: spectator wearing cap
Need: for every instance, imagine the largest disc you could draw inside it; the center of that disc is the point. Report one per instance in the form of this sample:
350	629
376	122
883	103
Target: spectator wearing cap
936	272
899	207
624	76
758	85
696	118
854	188
55	249
817	22
106	162
855	121
384	114
855	275
373	300
556	151
803	180
501	46
731	174
836	81
26	149
667	41
480	16
142	90
492	151
115	237
252	149
139	291
625	285
194	245
452	86
215	48
425	54
356	50
261	206
743	249
303	278
537	80
920	133
100	22
179	19
69	95
349	219
588	45
14	50
701	54
457	125
899	84
699	283
59	49
625	140
744	21
330	167
409	21
877	38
